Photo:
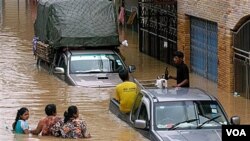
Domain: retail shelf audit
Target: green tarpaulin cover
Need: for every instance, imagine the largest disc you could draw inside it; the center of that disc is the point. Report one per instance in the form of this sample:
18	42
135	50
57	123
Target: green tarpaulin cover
76	23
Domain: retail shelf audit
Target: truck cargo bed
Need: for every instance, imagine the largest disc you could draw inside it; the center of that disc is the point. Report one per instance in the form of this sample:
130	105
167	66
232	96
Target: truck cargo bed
44	51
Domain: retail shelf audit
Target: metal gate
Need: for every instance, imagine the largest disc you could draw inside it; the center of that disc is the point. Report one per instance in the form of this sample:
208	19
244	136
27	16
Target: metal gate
242	60
158	28
204	48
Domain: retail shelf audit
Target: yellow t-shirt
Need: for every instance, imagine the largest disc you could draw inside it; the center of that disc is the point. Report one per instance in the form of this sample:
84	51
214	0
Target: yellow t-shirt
126	93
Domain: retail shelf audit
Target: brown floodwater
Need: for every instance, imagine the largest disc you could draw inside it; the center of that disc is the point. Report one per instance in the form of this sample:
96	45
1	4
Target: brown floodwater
23	84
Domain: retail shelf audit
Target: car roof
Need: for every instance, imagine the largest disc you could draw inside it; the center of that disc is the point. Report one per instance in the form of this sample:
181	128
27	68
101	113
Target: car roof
177	94
92	51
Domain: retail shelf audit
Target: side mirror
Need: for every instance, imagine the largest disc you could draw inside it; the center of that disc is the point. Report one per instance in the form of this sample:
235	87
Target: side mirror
59	70
131	68
235	120
141	124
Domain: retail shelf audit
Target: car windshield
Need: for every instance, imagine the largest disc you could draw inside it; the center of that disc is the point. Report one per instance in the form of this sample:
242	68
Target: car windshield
188	115
95	63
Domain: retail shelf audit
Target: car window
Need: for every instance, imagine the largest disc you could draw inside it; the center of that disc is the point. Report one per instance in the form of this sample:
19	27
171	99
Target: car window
207	110
62	63
169	113
136	106
87	63
188	114
143	114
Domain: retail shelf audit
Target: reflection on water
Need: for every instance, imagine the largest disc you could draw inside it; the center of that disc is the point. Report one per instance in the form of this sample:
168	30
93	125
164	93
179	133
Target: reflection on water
23	84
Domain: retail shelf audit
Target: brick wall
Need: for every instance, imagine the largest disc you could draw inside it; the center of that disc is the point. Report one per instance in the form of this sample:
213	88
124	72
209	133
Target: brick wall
228	14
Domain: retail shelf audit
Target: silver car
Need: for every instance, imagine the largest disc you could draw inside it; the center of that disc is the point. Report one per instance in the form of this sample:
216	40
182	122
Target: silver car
176	114
90	67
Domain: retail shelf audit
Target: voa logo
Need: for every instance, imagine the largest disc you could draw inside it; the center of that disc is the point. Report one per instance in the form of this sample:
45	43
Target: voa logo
236	132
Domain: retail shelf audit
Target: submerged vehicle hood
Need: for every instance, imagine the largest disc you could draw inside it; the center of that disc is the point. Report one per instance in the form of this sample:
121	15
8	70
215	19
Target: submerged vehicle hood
96	79
191	135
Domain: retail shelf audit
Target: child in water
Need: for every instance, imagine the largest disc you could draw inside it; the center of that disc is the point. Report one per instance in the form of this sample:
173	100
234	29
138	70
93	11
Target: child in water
20	125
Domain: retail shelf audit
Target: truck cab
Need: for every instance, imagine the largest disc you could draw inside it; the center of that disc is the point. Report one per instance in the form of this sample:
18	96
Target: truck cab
170	114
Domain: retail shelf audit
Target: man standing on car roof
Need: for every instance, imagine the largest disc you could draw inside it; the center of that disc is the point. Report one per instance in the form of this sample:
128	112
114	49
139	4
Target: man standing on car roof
182	77
125	92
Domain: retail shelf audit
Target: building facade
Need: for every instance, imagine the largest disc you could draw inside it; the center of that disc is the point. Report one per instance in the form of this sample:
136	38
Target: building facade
213	34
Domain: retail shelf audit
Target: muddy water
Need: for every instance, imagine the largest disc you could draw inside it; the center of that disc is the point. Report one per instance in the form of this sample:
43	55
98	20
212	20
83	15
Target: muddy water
23	84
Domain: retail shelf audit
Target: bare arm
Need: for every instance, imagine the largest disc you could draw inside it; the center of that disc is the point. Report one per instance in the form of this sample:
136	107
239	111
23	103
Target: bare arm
182	83
38	128
117	97
26	131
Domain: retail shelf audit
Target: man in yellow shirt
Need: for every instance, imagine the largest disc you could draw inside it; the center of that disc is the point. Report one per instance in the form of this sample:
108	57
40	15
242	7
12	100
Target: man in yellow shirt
126	92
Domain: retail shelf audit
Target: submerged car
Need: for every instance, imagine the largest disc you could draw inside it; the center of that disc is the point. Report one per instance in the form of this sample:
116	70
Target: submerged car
176	114
90	67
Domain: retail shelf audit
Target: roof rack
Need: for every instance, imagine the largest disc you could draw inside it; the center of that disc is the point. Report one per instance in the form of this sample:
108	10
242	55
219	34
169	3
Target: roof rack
151	83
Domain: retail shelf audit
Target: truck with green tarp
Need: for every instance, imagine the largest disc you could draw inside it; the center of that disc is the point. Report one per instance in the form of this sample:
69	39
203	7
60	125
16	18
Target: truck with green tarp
82	33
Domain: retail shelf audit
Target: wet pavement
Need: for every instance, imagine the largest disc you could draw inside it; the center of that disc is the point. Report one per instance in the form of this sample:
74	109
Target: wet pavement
23	84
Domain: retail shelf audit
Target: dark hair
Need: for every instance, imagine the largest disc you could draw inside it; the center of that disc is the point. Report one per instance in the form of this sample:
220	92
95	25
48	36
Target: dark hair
20	112
70	113
179	54
123	74
50	109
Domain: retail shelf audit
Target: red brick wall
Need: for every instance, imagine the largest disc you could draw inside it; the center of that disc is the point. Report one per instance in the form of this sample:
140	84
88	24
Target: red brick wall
228	14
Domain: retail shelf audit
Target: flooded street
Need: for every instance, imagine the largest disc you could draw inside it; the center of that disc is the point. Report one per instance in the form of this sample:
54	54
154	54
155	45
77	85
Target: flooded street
23	84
